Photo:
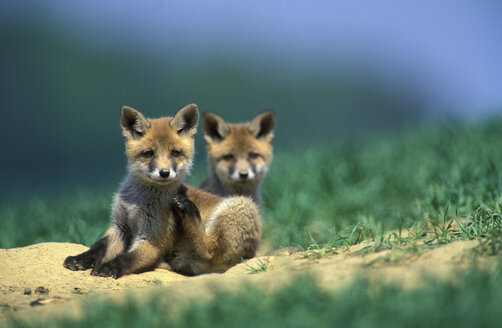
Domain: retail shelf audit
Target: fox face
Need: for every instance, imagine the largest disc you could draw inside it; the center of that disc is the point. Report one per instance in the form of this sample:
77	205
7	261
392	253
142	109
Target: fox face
239	154
160	151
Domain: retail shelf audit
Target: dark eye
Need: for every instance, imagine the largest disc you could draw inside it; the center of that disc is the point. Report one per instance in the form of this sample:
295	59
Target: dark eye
253	155
175	153
228	157
147	154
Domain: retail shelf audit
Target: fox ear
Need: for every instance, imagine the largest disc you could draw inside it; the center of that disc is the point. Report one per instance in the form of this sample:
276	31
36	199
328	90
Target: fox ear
215	128
185	121
134	124
262	126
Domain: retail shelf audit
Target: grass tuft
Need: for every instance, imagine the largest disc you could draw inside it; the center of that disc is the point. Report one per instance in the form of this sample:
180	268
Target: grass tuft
261	266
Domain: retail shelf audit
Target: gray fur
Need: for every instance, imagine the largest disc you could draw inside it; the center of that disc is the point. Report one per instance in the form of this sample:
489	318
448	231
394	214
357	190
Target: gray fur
143	208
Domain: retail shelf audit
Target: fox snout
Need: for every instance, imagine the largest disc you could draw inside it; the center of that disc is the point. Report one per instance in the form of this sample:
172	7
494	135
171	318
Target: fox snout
243	170
163	173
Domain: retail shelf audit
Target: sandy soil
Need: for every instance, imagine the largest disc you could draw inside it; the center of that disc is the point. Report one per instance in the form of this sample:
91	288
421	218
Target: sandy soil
24	270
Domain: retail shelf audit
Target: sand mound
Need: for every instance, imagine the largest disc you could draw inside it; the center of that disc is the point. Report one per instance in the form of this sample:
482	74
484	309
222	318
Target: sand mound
36	272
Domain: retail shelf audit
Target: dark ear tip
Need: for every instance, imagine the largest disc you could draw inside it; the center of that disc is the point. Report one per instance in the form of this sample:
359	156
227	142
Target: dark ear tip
268	116
192	106
192	110
207	115
263	124
126	110
269	112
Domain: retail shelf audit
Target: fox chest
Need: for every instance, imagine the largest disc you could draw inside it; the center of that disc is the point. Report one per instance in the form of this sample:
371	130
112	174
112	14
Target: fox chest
149	221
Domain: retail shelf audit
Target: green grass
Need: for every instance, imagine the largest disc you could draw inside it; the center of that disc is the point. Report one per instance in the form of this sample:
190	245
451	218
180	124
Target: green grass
472	300
347	192
442	183
79	216
260	266
328	195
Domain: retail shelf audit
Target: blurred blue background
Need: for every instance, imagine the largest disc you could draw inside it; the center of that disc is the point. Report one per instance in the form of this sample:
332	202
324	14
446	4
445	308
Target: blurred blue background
331	70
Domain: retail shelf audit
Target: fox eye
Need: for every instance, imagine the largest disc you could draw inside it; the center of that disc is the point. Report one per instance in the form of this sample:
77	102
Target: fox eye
147	154
175	153
228	157
253	155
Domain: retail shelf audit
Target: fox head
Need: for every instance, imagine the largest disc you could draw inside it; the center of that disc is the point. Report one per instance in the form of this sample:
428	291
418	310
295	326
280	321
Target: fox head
159	151
239	154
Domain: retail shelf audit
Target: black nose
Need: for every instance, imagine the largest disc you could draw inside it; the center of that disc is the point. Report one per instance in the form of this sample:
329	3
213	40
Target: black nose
164	173
243	175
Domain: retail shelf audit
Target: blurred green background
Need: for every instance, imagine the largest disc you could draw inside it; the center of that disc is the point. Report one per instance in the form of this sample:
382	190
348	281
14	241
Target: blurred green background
66	69
64	100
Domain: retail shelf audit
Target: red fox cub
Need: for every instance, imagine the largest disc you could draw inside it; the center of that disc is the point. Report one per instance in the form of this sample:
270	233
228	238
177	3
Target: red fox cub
155	218
239	154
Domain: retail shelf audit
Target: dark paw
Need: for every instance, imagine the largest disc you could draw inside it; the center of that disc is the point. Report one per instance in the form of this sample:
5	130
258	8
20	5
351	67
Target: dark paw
109	269
185	206
180	202
79	262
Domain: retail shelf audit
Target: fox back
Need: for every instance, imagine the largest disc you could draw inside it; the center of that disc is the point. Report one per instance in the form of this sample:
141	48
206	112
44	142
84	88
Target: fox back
239	154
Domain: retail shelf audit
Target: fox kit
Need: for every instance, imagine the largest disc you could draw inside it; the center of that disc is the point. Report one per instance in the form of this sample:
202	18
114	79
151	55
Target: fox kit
239	154
155	218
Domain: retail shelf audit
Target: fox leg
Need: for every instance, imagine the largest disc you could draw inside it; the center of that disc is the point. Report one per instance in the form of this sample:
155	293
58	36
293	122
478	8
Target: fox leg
189	217
109	246
233	232
141	257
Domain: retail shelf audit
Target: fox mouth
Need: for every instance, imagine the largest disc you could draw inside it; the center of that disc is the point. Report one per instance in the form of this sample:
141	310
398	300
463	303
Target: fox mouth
162	181
242	180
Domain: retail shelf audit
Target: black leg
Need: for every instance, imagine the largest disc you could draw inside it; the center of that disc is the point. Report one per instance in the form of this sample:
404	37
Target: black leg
145	256
184	208
89	258
188	218
114	268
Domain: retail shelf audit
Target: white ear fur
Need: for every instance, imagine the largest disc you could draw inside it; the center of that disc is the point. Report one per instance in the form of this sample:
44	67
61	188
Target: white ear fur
215	128
134	124
263	125
186	120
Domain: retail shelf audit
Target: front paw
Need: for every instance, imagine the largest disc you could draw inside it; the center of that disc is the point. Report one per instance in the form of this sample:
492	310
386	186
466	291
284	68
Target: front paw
186	207
180	203
109	269
79	262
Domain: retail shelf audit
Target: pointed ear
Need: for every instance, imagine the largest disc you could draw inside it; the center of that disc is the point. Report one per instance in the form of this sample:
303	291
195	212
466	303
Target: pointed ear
134	124
262	126
185	121
215	128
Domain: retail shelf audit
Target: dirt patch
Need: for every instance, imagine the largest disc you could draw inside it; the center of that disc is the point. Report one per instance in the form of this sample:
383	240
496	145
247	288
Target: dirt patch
33	280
